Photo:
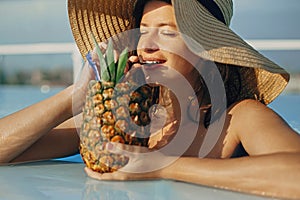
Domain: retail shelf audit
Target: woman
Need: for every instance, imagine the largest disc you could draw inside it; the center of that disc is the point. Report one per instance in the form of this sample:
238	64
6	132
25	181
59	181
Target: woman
271	145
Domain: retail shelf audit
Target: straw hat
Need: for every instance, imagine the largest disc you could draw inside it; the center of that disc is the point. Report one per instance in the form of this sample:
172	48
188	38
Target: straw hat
261	78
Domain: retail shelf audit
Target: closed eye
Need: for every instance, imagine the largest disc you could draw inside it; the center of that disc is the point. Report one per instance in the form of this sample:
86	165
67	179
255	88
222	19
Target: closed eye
170	33
143	31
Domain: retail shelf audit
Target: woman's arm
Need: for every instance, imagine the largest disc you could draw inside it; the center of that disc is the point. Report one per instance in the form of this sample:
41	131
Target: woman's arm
59	142
275	175
22	129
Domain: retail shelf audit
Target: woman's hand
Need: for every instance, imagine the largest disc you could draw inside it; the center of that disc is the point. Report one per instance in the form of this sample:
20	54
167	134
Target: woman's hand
80	88
143	164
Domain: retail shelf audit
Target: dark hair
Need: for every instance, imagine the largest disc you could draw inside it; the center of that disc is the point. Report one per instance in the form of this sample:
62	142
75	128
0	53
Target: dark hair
232	84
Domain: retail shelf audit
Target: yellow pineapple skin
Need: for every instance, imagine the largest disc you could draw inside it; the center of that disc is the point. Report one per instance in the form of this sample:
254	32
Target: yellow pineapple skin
114	114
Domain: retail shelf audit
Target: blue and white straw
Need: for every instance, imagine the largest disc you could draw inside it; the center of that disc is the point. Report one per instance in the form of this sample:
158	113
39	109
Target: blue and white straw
92	64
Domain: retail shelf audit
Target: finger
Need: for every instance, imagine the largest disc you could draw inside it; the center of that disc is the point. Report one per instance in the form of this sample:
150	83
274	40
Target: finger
130	62
133	59
92	174
105	176
103	47
130	65
95	58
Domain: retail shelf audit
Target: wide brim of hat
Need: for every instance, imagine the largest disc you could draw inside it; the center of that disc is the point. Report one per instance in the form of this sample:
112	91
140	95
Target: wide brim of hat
261	78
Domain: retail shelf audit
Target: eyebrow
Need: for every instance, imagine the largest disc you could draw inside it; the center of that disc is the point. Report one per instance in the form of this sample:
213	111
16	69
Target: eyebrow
161	24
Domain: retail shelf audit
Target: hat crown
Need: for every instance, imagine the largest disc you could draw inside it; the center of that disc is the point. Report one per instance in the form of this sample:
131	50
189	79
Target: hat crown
226	7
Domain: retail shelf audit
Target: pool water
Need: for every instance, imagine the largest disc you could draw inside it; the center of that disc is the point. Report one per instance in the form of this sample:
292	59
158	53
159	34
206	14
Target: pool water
288	107
14	98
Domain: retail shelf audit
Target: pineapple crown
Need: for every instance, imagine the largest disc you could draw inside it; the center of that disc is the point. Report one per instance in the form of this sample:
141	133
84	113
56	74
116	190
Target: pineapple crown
109	70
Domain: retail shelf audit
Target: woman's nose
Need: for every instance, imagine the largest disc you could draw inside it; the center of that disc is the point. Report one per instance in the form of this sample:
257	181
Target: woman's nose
148	43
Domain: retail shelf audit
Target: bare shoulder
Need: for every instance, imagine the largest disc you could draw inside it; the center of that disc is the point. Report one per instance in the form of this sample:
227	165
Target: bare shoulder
253	114
249	106
249	113
260	129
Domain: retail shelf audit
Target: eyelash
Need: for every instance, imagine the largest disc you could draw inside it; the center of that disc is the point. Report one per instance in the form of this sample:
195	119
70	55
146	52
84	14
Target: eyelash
169	33
163	32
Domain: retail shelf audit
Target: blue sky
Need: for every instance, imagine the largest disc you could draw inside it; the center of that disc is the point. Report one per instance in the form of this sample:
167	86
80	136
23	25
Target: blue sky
28	21
25	21
35	21
271	19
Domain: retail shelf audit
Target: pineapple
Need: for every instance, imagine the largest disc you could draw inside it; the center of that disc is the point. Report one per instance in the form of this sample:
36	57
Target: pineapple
115	111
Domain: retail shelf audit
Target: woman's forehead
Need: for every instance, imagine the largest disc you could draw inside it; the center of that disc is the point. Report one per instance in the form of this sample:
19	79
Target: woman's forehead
158	12
156	5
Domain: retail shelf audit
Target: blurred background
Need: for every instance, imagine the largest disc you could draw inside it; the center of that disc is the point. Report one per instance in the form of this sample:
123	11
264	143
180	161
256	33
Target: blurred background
36	45
26	24
38	55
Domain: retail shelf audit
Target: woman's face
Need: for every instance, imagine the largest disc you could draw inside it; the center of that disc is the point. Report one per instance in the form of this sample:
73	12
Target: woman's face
161	46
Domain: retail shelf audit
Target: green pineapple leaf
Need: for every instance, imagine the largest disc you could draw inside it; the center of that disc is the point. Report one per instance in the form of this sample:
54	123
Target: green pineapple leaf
104	68
122	64
110	60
